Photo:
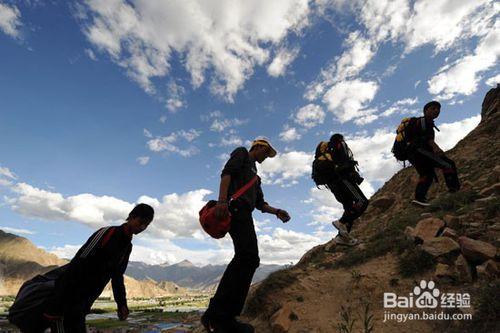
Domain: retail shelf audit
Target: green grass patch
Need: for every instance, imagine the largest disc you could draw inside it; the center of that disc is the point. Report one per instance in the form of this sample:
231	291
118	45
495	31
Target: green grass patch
452	202
390	238
107	323
414	261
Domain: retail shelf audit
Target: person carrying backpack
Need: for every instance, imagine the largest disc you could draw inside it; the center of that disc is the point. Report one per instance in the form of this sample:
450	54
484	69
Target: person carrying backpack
334	167
228	301
69	291
415	143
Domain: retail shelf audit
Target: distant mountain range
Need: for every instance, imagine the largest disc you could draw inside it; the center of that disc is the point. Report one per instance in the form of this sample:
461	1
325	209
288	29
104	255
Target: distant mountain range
21	260
187	275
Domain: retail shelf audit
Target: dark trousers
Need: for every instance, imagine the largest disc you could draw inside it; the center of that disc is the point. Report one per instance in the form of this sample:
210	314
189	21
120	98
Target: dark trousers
425	162
352	199
233	288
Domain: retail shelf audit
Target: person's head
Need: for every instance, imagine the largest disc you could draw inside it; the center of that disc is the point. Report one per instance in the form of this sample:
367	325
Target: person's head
432	109
140	217
261	149
336	138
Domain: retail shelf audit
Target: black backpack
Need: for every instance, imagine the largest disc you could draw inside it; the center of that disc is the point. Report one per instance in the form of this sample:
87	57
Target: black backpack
32	295
401	144
325	170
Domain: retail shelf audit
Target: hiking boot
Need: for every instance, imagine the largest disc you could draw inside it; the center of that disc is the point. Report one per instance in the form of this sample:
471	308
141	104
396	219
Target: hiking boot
348	241
421	202
341	228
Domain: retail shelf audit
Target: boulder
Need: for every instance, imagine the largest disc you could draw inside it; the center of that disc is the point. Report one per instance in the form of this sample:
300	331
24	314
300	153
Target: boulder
476	251
464	269
440	246
383	202
428	228
448	232
452	221
281	320
445	272
493	189
489	269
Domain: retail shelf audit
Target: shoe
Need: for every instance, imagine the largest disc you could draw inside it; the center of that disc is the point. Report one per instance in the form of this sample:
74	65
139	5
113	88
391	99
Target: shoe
421	202
348	241
341	228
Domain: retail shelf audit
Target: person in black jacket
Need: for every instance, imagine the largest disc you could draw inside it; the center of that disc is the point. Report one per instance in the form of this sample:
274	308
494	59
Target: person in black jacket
425	155
102	258
335	167
232	291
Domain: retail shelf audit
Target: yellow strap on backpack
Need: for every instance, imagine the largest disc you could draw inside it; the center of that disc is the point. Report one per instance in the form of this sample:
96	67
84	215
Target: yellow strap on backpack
325	154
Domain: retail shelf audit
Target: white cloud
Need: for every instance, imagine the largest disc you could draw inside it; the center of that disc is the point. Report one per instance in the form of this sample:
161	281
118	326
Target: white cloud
229	37
289	134
462	77
175	100
285	246
90	54
143	160
444	22
66	251
10	20
285	169
169	143
451	133
231	140
401	107
147	134
5	172
281	61
310	116
17	231
348	100
220	124
493	81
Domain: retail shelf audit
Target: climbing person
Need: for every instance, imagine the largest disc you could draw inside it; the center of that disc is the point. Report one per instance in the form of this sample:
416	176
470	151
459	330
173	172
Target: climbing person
239	170
415	143
334	167
61	298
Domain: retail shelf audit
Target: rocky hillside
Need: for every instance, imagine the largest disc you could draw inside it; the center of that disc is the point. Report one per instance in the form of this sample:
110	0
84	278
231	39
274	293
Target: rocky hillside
454	243
21	260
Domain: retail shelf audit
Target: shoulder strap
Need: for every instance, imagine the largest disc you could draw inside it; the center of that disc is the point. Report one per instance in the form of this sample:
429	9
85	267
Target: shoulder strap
245	188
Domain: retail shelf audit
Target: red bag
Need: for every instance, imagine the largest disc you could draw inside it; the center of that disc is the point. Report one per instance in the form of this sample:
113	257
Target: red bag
209	222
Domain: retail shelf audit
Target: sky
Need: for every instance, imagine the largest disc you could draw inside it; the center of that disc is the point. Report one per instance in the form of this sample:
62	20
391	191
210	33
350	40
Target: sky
105	104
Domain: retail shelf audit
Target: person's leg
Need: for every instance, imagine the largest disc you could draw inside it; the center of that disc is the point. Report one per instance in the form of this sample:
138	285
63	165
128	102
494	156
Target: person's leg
359	205
425	170
233	288
450	174
74	322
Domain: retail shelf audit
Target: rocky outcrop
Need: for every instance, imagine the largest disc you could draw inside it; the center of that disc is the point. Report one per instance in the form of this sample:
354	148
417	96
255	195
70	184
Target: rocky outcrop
477	251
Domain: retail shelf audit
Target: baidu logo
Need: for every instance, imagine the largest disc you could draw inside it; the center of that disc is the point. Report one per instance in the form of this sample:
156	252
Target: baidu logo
425	295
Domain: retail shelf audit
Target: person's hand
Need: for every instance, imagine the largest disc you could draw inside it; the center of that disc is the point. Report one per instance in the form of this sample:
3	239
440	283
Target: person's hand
283	215
221	210
122	312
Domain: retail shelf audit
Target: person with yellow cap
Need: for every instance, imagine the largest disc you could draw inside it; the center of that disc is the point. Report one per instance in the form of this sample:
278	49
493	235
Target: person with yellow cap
228	301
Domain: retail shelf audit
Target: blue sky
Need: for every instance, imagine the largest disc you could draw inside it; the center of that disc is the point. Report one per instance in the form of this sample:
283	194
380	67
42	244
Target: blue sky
107	103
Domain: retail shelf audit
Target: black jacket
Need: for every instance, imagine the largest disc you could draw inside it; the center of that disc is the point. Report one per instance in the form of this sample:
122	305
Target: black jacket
102	258
242	169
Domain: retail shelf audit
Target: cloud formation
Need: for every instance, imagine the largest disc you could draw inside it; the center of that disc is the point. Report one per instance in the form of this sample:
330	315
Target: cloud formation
227	37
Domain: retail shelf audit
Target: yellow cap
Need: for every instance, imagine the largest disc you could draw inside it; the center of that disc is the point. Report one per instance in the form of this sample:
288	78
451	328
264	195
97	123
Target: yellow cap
263	141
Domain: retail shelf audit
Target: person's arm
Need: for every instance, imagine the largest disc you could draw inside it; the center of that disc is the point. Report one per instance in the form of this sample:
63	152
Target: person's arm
232	167
222	208
118	286
264	207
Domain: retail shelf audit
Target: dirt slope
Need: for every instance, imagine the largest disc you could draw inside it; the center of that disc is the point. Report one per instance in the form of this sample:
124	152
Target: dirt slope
309	296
